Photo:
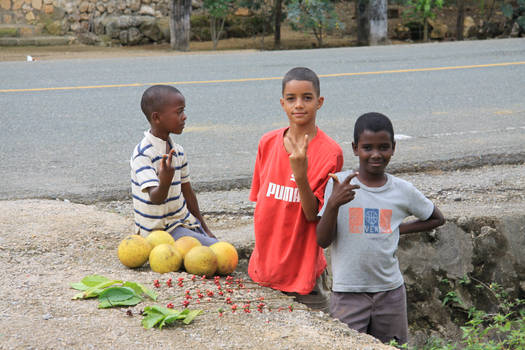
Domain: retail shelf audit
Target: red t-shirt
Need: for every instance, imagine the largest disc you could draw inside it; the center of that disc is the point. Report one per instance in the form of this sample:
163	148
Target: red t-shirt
286	255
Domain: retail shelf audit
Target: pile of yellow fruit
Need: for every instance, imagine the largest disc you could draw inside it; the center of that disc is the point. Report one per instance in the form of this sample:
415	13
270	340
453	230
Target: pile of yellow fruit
167	255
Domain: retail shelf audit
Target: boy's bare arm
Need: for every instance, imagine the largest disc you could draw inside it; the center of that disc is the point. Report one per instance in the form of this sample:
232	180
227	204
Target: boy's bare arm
341	193
299	165
193	206
159	193
435	220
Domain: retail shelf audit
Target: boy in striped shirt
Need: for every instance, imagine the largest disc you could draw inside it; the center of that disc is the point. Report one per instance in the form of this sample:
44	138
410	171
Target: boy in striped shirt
163	198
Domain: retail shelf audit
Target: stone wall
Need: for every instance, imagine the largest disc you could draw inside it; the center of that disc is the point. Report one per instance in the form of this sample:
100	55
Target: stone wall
461	257
59	17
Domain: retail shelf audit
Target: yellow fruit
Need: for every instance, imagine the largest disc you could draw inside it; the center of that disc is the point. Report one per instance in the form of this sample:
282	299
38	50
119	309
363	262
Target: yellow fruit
133	251
159	237
227	257
201	261
185	243
165	258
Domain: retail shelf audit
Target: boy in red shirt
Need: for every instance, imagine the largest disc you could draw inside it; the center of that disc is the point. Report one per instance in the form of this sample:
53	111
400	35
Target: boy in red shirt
291	172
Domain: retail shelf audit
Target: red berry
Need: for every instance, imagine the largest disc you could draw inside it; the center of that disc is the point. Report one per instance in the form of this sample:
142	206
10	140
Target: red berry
185	303
170	306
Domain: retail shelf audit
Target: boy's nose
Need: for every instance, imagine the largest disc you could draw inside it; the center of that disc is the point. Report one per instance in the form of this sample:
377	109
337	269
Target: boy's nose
299	102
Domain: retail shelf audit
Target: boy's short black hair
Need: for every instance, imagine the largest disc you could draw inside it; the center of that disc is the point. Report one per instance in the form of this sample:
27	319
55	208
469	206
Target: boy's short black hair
302	74
154	98
375	122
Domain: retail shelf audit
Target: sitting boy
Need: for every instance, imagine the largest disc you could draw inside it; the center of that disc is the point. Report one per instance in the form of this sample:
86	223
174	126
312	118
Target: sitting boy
362	218
291	172
160	178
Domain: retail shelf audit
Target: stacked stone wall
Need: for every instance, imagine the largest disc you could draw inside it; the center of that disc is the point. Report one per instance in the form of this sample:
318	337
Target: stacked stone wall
58	17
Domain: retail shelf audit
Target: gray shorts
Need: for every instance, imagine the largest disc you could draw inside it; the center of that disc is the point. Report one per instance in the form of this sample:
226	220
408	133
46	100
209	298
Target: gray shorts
318	299
198	233
382	314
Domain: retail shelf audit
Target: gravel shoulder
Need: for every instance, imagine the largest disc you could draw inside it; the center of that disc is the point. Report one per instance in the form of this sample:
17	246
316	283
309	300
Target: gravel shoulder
46	244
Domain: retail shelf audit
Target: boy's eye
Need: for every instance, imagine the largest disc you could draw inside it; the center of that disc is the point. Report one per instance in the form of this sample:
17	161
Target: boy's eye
290	99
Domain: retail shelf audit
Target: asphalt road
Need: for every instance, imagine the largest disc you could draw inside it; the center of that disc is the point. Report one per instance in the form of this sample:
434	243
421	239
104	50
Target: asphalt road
69	126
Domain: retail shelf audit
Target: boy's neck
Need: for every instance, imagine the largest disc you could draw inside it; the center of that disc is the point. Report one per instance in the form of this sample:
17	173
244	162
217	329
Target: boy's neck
372	180
297	132
161	135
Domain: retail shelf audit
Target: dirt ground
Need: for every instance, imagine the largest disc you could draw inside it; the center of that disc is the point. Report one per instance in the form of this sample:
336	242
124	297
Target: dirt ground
47	244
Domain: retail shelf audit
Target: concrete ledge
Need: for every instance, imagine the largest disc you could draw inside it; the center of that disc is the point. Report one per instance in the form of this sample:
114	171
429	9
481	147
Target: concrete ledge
37	41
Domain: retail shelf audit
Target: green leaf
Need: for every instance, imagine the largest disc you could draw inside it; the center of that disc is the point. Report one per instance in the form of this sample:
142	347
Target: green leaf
151	319
93	280
79	286
161	316
97	289
107	303
191	315
141	289
88	281
134	286
118	293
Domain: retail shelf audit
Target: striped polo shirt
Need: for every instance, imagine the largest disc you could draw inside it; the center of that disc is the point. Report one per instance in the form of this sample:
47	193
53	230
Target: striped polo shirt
145	163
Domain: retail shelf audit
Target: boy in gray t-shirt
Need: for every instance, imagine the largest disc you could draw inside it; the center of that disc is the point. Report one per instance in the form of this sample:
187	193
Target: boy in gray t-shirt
362	219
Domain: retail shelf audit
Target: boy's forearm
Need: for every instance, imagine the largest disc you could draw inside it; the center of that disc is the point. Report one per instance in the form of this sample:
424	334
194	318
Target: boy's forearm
309	202
159	193
435	220
193	205
327	226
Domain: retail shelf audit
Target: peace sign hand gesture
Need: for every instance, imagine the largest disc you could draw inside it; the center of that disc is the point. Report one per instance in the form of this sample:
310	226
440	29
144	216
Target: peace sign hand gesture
342	192
166	171
298	158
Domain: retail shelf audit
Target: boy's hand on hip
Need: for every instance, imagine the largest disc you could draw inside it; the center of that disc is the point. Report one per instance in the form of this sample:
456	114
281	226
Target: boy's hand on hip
298	158
342	192
166	171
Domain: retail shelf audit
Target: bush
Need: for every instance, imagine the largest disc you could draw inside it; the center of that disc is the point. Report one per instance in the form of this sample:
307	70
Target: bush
502	329
234	27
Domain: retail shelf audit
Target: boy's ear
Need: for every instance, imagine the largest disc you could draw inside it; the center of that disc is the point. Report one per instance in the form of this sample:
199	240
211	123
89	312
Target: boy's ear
393	147
354	147
320	101
281	101
154	117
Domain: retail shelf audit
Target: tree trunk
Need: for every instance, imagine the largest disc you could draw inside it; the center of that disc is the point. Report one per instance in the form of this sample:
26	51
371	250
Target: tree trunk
378	22
460	23
361	10
180	24
278	14
425	30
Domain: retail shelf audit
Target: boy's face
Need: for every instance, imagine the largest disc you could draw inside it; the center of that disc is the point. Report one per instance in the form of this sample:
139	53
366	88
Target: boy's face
374	150
171	117
300	102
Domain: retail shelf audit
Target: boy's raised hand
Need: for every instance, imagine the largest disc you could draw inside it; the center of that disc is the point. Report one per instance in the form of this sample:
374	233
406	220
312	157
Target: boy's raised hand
342	192
298	158
166	171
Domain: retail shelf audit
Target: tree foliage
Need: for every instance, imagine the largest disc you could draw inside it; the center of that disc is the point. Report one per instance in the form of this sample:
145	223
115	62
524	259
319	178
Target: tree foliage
316	16
423	10
218	11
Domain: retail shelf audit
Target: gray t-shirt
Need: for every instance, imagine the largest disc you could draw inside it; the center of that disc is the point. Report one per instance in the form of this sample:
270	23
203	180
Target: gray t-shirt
363	253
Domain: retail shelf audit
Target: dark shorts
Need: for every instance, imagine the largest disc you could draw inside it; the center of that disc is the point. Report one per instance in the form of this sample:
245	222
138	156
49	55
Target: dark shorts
382	314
